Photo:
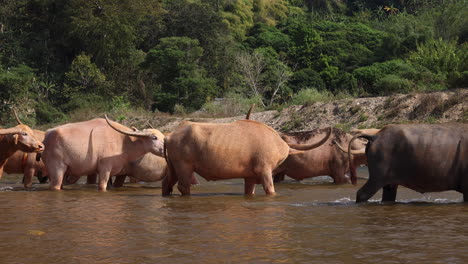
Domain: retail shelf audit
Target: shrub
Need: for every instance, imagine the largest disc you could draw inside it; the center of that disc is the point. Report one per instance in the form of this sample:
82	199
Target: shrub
311	95
46	113
394	71
82	101
84	77
393	84
306	78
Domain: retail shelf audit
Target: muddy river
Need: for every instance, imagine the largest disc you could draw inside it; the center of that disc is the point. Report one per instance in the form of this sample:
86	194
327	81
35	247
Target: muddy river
308	222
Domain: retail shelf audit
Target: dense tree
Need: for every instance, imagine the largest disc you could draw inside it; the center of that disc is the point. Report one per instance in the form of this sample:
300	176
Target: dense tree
58	56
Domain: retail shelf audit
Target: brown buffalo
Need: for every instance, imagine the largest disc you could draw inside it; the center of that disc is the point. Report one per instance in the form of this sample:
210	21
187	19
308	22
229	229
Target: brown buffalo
27	164
241	149
95	146
422	157
328	159
20	137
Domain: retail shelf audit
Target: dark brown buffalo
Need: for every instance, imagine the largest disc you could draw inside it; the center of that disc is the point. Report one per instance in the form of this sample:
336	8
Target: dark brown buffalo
424	158
328	159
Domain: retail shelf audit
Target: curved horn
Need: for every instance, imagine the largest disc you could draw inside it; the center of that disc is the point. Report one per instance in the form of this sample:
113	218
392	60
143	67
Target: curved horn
10	131
354	152
134	128
16	117
313	145
128	133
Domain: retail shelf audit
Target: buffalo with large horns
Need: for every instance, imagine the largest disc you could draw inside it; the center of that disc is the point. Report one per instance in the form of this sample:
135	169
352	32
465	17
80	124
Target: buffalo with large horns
241	149
422	157
329	159
96	146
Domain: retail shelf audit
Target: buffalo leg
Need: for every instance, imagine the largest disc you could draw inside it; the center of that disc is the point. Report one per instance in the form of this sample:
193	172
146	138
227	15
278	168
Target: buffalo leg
109	183
465	195
168	182
91	179
56	178
133	180
119	180
42	179
278	177
267	182
103	179
27	178
249	186
389	193
185	174
368	190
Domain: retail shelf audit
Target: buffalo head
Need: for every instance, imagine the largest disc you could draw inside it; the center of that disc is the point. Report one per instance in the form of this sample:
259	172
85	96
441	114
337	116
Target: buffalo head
152	139
23	137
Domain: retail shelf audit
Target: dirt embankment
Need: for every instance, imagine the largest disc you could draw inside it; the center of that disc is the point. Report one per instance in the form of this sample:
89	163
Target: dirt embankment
434	107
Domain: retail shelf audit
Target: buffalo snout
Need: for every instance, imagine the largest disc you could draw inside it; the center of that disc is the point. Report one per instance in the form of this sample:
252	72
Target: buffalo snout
40	148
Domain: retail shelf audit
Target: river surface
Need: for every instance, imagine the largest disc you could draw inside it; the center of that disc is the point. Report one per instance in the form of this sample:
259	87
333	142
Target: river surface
312	221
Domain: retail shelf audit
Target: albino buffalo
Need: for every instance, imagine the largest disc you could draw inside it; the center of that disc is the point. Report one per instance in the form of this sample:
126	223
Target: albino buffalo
26	163
20	137
424	158
96	146
149	168
327	159
241	149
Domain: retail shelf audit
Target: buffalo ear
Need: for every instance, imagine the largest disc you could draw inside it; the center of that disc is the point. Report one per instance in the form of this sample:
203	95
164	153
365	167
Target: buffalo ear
15	137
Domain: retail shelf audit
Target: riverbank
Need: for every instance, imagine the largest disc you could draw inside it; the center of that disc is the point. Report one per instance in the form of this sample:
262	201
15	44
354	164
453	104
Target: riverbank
434	107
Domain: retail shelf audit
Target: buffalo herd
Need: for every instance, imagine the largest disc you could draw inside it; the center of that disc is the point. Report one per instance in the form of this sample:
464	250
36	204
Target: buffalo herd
421	157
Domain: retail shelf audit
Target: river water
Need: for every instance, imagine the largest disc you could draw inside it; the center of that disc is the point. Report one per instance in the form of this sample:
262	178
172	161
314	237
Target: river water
308	222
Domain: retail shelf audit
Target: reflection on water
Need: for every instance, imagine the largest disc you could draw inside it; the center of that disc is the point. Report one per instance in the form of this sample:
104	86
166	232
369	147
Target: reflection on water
308	222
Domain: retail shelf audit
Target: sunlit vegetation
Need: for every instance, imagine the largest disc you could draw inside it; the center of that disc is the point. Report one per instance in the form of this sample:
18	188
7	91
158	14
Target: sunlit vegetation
216	57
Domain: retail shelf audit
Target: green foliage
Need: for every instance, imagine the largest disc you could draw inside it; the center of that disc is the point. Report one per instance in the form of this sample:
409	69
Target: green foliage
265	74
84	101
65	56
239	17
441	57
46	114
16	89
84	77
390	84
309	96
385	78
270	11
306	78
119	104
263	35
363	117
174	64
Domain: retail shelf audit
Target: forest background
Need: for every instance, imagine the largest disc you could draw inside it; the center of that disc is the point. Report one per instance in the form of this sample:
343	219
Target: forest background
64	60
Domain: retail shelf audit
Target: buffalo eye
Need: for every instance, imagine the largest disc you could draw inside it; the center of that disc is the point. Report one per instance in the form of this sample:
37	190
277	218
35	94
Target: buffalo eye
24	133
153	137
